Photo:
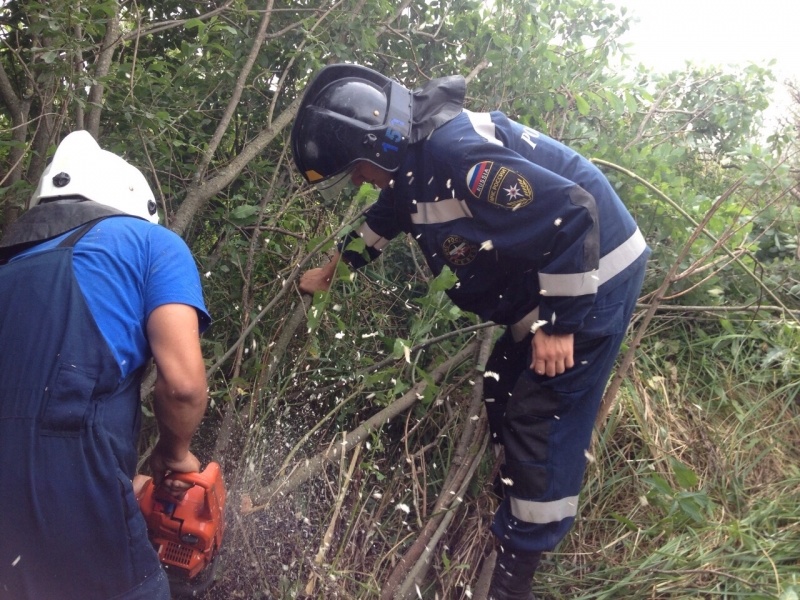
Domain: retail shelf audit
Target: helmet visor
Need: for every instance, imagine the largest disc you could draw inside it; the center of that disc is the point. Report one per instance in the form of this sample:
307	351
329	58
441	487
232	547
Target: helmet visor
324	145
333	186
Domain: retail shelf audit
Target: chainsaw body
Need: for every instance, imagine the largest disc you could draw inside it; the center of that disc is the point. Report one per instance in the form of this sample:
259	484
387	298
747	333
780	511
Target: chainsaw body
187	533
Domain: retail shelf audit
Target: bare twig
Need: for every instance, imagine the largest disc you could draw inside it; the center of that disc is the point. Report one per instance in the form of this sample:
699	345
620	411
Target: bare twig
616	382
410	570
236	95
701	230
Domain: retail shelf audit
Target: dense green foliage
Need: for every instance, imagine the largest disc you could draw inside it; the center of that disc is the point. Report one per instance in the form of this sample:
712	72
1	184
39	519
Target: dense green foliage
695	486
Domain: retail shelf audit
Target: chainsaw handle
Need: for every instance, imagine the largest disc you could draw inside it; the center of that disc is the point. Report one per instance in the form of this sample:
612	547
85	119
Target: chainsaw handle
194	478
205	478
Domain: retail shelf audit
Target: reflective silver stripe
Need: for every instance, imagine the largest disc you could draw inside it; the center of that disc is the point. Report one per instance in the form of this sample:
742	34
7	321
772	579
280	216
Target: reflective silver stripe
372	239
577	284
621	257
544	512
482	123
440	211
613	263
523	327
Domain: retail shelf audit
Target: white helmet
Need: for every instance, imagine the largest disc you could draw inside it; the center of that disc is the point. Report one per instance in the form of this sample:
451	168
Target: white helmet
80	168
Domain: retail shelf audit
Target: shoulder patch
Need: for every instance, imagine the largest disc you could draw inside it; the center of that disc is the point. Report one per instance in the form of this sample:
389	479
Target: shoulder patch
508	189
477	176
458	251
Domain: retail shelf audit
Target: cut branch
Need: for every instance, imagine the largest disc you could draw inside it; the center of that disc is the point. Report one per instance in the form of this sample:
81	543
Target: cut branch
306	469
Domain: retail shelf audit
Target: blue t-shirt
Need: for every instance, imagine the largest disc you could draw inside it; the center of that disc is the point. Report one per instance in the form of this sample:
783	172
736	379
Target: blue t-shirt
127	267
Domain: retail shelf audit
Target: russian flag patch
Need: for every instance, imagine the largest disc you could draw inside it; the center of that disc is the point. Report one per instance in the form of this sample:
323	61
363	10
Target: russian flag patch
477	176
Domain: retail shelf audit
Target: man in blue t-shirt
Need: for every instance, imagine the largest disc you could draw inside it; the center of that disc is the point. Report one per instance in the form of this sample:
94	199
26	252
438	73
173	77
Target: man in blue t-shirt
91	288
539	241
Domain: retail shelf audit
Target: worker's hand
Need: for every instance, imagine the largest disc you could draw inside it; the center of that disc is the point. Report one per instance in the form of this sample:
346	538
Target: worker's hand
319	280
552	354
163	465
315	280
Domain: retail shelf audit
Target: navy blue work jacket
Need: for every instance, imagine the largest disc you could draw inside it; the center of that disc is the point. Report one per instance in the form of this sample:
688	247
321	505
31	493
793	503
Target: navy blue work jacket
527	224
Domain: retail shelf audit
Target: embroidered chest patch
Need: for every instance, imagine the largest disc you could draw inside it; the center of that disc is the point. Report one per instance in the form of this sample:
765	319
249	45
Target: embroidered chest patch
499	185
458	251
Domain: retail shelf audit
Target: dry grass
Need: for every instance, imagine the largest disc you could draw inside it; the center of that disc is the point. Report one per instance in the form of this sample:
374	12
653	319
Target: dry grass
693	493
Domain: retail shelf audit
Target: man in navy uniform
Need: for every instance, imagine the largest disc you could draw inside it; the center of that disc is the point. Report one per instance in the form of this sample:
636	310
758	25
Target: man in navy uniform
540	242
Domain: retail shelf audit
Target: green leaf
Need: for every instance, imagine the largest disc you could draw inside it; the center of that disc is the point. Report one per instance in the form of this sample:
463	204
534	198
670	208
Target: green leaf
343	272
243	211
694	506
315	241
582	105
317	310
356	245
195	24
631	103
402	349
661	485
625	521
444	281
686	478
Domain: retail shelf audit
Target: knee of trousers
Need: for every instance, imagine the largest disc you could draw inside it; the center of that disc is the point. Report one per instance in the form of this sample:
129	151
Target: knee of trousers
529	426
508	360
545	434
543	469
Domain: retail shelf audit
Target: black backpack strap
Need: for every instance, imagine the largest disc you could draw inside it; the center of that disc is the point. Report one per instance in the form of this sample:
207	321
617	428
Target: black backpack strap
77	233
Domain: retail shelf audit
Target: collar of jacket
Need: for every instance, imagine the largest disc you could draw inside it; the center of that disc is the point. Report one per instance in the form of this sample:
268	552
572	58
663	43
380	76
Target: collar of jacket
436	103
49	220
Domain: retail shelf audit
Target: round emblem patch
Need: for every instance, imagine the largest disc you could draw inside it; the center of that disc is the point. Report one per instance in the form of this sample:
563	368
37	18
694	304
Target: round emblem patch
477	177
458	251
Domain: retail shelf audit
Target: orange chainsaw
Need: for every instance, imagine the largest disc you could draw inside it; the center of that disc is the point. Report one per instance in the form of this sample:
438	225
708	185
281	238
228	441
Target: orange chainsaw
187	533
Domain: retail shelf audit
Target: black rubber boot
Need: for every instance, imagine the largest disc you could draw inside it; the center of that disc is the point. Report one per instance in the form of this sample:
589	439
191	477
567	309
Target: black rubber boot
513	575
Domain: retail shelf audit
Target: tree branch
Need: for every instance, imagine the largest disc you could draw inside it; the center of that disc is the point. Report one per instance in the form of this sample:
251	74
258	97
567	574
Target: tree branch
233	102
201	192
18	109
102	66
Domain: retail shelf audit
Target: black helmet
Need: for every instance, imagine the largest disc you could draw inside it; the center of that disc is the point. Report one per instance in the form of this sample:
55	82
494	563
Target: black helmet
350	113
